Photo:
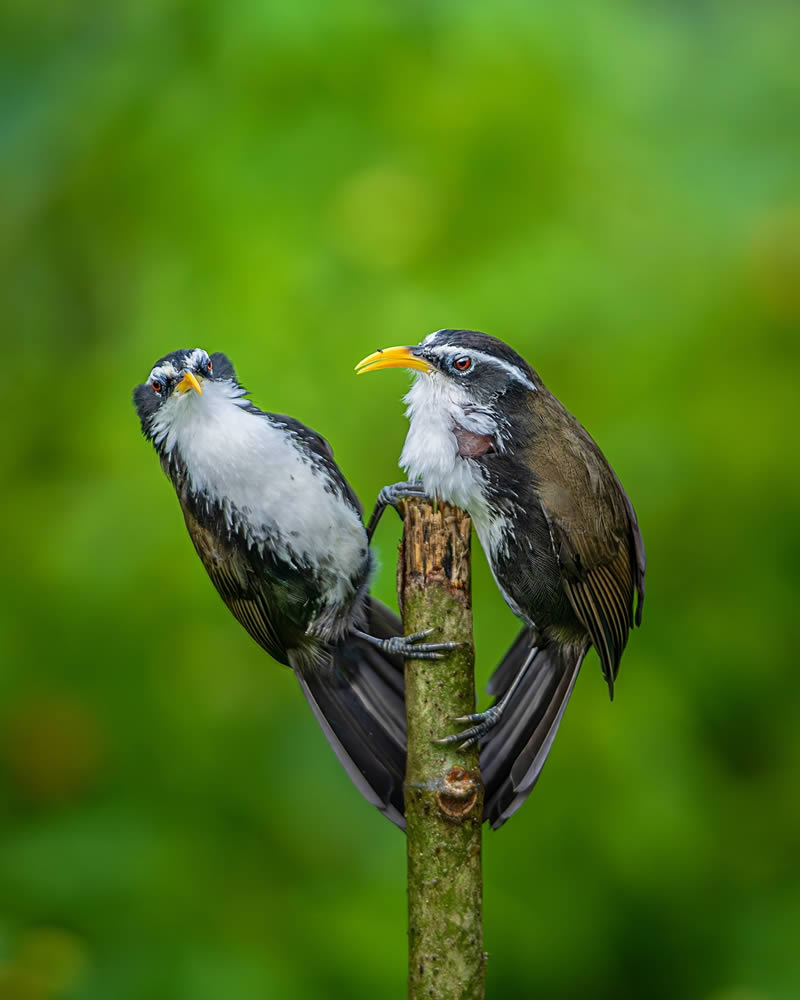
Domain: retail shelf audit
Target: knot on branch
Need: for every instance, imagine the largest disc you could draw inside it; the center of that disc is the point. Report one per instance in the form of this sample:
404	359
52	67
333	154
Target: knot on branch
458	794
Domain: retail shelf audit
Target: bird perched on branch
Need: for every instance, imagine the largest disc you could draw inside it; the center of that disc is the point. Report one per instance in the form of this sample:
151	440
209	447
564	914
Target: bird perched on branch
558	529
279	531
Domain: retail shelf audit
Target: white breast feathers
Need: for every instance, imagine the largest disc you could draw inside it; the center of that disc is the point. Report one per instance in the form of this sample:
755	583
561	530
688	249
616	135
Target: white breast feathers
263	480
436	408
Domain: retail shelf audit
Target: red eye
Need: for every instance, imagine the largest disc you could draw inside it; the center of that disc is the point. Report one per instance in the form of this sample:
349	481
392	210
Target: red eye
463	364
209	366
156	385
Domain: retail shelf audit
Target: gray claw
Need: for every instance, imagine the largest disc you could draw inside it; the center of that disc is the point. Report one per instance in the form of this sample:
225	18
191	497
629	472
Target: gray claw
472	739
486	720
404	645
434	647
420	635
410	647
390	496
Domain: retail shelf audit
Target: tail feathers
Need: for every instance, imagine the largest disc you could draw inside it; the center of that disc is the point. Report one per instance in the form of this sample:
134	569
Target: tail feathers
504	674
517	747
357	698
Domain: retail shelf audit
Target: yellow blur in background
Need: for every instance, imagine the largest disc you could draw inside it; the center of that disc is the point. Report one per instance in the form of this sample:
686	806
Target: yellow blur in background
611	188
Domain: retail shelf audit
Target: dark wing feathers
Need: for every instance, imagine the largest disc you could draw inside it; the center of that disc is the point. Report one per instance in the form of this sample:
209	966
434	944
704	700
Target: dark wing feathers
253	614
354	689
247	593
600	590
639	558
594	532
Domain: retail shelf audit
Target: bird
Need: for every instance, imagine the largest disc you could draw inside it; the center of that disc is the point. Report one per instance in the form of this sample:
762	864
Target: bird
559	531
279	532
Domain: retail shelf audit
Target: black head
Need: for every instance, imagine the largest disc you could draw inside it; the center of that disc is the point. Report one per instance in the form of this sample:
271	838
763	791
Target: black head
483	367
177	373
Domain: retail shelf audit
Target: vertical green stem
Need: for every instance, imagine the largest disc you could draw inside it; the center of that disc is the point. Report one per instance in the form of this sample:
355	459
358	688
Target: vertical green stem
443	790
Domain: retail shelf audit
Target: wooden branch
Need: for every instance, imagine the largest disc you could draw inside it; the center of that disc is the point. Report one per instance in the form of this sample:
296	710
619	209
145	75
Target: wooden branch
443	790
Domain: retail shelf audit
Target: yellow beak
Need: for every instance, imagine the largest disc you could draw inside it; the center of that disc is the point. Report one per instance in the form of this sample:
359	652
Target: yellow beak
392	357
188	382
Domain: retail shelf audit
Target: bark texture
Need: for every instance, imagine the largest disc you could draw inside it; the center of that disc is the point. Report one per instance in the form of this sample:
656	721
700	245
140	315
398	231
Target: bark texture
443	790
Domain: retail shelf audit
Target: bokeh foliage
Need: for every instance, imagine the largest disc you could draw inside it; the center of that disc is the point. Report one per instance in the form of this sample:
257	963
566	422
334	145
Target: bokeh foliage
611	187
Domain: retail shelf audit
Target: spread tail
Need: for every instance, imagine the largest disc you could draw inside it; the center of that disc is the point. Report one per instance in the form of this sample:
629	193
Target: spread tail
357	698
358	701
515	750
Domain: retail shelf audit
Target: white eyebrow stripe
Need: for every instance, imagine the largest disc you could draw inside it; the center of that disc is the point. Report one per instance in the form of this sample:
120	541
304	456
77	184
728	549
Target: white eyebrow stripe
507	367
197	355
168	370
163	371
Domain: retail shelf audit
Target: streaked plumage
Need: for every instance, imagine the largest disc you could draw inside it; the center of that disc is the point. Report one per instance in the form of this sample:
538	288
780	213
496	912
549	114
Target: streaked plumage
559	531
279	531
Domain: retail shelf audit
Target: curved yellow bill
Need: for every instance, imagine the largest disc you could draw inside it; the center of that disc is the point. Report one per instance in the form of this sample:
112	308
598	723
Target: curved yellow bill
188	382
392	357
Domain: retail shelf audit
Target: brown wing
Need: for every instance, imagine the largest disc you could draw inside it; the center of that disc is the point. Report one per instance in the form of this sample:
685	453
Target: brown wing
602	598
246	596
595	535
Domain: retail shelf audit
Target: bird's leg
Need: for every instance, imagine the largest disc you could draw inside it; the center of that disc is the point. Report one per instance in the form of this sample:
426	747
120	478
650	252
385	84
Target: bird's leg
390	496
409	646
488	719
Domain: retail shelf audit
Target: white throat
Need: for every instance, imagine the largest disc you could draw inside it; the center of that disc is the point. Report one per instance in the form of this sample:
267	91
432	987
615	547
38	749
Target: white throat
436	406
255	471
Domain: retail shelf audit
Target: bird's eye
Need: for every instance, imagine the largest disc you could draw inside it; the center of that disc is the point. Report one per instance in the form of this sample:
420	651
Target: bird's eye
209	366
463	364
156	385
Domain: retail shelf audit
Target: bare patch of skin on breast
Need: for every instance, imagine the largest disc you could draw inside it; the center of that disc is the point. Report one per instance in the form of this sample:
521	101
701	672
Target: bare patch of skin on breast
471	445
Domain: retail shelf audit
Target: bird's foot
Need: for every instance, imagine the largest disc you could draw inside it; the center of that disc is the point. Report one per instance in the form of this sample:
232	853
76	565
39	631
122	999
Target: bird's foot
411	647
391	496
486	721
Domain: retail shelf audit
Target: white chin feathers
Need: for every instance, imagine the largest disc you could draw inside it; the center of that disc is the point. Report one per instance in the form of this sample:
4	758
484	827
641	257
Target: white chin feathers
436	406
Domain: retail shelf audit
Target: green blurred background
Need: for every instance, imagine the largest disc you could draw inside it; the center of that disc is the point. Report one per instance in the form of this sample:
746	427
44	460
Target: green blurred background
611	187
